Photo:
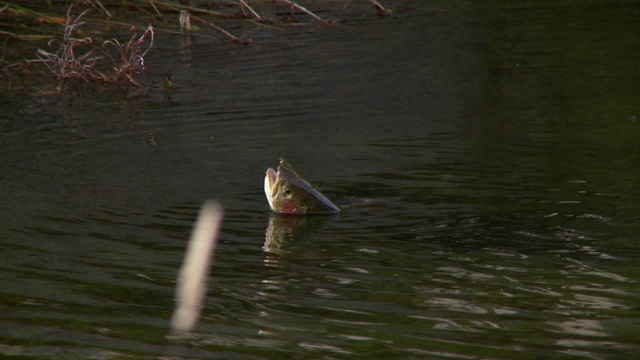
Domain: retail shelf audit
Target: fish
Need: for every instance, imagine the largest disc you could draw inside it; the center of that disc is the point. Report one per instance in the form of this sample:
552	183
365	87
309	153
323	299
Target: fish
289	194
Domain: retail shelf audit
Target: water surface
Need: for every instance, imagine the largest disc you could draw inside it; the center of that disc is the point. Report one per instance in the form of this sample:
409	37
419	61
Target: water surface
497	144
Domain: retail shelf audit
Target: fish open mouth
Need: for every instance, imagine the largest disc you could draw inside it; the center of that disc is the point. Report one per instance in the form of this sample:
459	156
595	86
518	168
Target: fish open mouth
288	193
270	180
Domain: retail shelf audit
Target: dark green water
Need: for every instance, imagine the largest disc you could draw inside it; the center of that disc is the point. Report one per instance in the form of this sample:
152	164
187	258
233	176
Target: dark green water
500	139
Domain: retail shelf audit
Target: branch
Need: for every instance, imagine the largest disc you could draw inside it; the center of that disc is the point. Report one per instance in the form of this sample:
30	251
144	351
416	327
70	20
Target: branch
304	10
381	10
225	32
246	6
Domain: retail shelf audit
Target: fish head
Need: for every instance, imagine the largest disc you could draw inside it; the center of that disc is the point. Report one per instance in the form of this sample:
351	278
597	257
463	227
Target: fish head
288	193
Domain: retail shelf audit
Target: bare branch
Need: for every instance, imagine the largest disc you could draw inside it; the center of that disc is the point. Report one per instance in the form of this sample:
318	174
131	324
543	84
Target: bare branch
381	9
244	6
103	9
223	31
156	10
304	10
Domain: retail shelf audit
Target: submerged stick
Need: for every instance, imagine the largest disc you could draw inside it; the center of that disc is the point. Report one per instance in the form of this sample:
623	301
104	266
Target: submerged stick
192	277
381	9
103	9
160	17
223	31
303	9
192	9
245	6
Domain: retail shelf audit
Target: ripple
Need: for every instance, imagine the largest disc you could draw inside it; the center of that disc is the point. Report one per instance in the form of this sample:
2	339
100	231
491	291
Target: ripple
455	305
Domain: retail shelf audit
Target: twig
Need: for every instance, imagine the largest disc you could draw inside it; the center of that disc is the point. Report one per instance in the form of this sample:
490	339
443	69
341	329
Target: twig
232	37
156	10
225	32
148	32
246	6
69	25
8	34
66	64
265	24
103	9
22	10
131	60
191	285
381	10
304	10
191	9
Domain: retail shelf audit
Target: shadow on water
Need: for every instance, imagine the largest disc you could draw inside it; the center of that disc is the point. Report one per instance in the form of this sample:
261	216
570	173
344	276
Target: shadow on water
493	144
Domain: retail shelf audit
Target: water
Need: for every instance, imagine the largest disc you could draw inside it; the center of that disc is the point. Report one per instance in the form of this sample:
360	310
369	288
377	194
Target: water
496	144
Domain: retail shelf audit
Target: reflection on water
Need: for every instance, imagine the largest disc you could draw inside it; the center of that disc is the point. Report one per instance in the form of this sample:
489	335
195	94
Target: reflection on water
496	161
283	229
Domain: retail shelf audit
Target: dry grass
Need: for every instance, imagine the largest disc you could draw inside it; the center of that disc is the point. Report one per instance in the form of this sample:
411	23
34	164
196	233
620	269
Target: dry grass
80	57
78	54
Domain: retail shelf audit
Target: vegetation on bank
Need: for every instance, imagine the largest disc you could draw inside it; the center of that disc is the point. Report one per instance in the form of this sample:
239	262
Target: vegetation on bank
65	42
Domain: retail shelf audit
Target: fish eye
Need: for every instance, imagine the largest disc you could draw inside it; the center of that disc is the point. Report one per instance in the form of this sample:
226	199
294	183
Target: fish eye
287	191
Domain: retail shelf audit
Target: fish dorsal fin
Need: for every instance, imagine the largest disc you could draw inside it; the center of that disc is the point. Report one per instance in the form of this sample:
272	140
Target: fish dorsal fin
289	168
299	181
